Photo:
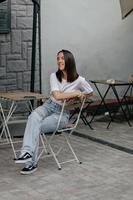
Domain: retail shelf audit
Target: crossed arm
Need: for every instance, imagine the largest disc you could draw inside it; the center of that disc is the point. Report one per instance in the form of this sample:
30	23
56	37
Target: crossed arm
68	95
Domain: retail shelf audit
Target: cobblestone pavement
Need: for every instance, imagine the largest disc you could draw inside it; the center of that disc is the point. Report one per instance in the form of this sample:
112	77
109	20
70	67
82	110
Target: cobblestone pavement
105	174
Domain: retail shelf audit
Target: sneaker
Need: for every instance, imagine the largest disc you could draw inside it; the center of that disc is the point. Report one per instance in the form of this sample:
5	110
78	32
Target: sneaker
28	170
24	158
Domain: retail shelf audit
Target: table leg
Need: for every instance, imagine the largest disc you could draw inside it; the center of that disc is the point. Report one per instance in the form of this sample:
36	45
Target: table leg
124	98
120	103
5	125
102	102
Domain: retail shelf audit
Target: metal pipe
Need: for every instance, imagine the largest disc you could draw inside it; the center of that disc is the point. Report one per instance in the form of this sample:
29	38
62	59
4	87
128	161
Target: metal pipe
36	15
39	43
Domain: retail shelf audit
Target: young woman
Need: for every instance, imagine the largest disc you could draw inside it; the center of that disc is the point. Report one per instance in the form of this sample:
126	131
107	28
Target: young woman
65	84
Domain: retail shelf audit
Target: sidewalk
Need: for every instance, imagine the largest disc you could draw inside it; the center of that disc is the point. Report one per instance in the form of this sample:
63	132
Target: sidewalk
105	174
119	134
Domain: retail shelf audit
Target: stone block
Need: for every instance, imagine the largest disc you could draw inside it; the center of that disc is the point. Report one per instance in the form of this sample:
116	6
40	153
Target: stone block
20	80
8	37
2	72
21	13
26	86
14	57
24	50
29	44
27	35
11	81
17	7
29	11
2	38
24	22
26	76
11	87
13	19
16	41
11	75
3	61
14	2
5	48
3	82
22	2
16	65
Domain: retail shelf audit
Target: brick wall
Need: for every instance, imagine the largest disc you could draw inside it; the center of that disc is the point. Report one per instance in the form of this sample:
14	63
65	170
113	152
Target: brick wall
16	47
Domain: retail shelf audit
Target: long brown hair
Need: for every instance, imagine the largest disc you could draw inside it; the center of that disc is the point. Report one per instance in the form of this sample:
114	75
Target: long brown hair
70	67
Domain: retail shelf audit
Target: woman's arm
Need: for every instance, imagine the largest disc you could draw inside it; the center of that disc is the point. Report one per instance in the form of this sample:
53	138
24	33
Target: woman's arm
58	95
66	95
88	94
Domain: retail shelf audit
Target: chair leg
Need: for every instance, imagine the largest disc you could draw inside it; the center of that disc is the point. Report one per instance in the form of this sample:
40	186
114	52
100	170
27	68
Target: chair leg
54	155
47	148
71	148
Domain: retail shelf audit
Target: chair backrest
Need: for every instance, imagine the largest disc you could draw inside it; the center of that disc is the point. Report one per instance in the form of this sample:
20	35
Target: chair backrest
72	104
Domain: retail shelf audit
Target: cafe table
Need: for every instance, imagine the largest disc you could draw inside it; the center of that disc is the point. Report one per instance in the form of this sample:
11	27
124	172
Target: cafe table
113	85
13	99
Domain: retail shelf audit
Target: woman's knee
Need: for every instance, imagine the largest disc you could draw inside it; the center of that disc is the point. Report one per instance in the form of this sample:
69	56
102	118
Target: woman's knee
50	123
34	115
48	126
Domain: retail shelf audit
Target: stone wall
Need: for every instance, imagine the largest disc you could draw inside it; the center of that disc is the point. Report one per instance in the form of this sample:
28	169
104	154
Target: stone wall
16	47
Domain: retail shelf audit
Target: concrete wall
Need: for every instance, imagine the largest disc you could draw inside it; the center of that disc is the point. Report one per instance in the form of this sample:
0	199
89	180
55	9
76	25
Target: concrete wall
15	48
93	30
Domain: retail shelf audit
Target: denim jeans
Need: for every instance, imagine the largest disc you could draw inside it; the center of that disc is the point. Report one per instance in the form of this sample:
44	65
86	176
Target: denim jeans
42	119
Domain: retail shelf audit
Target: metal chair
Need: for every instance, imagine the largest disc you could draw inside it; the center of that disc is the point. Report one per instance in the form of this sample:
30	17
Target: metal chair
47	148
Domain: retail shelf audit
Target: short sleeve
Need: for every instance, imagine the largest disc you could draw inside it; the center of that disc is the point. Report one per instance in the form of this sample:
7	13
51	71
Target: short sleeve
54	82
85	86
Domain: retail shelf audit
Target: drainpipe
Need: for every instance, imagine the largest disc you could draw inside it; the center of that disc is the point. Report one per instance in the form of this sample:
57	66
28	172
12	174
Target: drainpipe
2	1
36	15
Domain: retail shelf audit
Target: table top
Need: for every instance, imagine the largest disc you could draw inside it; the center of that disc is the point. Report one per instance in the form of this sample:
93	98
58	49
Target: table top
21	96
112	82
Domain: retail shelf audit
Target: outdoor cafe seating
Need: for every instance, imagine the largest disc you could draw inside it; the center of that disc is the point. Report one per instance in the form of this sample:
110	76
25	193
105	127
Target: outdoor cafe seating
6	117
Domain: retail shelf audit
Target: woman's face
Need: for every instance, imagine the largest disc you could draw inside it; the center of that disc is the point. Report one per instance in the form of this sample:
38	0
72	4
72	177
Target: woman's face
61	61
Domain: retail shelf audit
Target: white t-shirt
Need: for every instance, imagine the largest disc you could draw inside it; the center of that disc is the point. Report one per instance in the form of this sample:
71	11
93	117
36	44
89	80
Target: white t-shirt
79	84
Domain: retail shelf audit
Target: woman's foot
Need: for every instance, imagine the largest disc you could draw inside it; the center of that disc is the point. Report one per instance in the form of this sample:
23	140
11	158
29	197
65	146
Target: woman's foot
24	158
28	169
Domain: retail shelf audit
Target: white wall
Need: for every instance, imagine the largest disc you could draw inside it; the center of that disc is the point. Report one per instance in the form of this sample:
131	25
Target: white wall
101	42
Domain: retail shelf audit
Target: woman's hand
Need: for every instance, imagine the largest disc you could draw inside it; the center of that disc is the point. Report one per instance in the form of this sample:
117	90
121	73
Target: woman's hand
82	96
78	93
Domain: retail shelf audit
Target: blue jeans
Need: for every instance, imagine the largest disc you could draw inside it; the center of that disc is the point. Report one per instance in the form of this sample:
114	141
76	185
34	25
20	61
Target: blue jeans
42	119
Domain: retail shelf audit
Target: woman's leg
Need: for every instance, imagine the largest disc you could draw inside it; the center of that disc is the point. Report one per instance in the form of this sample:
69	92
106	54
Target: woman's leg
32	129
46	125
49	124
